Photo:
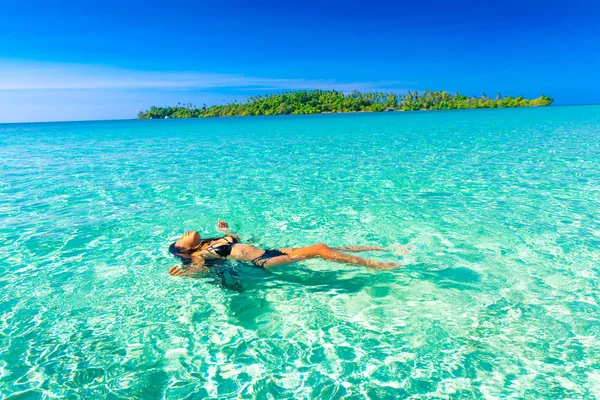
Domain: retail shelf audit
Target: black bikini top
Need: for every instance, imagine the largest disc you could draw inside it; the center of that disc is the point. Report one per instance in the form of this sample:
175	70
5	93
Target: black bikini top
213	248
219	248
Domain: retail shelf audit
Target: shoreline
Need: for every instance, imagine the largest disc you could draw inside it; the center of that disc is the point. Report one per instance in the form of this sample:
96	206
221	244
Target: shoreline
349	112
346	112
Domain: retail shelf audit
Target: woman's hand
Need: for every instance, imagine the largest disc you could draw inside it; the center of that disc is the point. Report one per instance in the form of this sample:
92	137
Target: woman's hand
195	269
223	226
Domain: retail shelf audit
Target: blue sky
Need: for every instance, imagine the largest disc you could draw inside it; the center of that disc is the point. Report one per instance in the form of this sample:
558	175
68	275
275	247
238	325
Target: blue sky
101	60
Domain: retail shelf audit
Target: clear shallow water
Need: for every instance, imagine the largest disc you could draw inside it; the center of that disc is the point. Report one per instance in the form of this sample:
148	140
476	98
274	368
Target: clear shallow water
499	298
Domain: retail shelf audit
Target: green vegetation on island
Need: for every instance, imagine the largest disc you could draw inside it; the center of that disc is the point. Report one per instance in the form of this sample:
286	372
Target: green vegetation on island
332	101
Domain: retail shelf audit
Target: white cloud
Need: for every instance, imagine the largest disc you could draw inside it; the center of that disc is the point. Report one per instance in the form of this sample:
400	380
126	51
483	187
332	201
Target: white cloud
43	91
25	75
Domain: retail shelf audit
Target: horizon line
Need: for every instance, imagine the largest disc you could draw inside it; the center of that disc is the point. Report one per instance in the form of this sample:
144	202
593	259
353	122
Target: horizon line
284	115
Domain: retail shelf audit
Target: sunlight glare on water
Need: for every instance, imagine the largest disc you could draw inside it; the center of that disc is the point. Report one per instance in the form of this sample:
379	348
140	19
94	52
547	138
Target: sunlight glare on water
499	296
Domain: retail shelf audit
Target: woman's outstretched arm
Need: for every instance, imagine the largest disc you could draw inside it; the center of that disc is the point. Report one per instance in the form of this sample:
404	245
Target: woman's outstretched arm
196	268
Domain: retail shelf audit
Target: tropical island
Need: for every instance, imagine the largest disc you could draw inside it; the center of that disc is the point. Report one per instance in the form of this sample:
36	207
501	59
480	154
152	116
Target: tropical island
332	101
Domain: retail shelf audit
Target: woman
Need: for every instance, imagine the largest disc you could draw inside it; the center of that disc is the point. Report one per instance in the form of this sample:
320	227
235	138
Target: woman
196	253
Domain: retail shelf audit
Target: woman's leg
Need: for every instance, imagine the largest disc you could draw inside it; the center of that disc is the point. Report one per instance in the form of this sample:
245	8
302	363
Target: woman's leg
327	253
356	249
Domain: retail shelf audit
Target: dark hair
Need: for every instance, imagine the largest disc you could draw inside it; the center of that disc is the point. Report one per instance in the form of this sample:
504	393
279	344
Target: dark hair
184	255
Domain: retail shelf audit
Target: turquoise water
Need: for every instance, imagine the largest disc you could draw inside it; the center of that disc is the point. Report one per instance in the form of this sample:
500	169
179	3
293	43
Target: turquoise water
498	298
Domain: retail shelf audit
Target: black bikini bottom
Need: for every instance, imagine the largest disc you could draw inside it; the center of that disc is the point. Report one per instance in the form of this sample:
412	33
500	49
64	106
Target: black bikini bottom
261	260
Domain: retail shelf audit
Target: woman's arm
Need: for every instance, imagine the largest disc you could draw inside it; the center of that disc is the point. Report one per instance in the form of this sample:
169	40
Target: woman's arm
196	267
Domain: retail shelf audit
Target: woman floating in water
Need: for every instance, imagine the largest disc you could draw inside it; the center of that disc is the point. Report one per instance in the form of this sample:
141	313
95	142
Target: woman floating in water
195	252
